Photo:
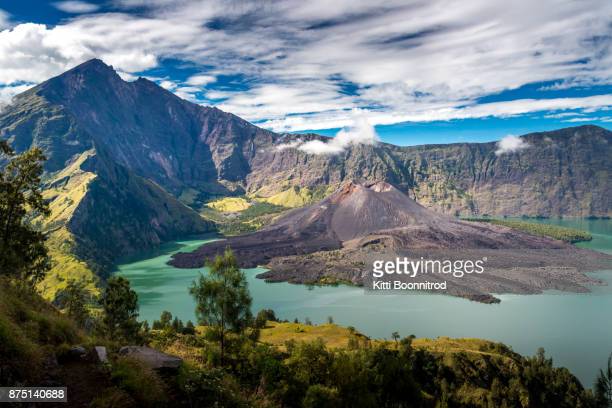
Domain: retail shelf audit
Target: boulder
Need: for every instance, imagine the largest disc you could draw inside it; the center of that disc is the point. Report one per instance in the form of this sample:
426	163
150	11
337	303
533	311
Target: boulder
77	352
101	355
152	358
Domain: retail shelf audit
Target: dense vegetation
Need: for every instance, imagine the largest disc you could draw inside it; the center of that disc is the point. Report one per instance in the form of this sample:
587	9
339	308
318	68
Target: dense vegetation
255	216
571	235
369	374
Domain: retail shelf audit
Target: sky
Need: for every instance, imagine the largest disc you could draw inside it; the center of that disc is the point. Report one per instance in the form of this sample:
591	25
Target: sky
419	71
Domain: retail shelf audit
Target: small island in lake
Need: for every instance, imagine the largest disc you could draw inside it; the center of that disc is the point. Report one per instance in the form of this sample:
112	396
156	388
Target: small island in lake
337	238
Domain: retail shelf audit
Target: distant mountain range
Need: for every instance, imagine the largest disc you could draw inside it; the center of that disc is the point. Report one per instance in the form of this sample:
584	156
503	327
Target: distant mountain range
129	163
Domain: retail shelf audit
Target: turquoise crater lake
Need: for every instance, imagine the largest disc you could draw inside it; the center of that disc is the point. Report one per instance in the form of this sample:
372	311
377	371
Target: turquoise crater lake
575	329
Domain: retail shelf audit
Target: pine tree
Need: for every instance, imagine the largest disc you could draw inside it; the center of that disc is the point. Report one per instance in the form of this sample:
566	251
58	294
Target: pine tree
222	298
73	299
120	305
603	386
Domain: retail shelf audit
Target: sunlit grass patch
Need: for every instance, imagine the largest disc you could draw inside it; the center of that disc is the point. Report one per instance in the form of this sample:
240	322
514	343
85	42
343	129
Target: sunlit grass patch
229	204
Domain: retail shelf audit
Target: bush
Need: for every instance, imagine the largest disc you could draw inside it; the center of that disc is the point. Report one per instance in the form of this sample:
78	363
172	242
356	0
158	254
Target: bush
209	388
113	398
570	235
264	316
319	396
139	381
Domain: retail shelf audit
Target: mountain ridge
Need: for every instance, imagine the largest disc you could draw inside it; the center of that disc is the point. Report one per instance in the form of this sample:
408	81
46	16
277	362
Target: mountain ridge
187	147
169	148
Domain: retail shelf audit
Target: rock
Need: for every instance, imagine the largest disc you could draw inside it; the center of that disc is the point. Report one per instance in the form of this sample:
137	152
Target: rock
77	352
100	353
151	357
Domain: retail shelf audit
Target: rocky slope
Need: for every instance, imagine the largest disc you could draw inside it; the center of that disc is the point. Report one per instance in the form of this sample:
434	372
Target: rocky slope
561	173
357	216
340	237
101	211
199	152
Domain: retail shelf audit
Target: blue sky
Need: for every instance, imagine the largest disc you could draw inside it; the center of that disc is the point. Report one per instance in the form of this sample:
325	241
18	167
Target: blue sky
420	71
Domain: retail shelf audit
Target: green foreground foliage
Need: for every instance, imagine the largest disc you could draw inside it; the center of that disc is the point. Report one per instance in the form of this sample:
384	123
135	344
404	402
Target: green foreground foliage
366	374
23	254
571	235
223	301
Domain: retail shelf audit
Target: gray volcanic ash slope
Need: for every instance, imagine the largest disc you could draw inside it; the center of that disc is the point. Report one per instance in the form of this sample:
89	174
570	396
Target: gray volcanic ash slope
337	238
359	215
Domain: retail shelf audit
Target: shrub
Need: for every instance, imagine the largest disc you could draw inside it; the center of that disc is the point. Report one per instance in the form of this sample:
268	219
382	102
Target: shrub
320	396
139	381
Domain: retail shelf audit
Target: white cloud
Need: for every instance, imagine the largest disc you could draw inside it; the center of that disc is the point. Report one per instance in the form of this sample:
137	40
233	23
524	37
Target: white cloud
289	145
4	19
8	92
510	144
166	84
306	65
127	76
360	132
563	115
593	119
200	80
439	112
76	7
319	147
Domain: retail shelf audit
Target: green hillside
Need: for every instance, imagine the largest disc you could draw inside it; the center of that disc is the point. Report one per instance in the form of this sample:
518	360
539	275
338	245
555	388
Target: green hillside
571	235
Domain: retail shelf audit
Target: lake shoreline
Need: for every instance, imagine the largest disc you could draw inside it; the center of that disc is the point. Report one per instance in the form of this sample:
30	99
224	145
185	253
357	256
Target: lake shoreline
570	326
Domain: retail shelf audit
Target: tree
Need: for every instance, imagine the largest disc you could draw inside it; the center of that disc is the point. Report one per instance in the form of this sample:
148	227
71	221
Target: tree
177	325
395	336
189	328
222	298
603	386
120	305
263	316
73	299
22	248
165	319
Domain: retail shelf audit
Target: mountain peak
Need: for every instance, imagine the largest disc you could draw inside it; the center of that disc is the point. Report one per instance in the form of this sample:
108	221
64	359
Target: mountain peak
92	68
94	62
91	79
94	65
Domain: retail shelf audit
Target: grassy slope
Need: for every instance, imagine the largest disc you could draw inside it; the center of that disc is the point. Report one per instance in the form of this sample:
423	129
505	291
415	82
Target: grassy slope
240	215
469	359
65	190
295	196
292	197
30	330
334	336
553	231
251	219
229	204
35	339
337	337
98	215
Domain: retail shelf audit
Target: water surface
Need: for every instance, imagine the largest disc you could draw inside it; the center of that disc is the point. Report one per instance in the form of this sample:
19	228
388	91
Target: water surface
575	329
